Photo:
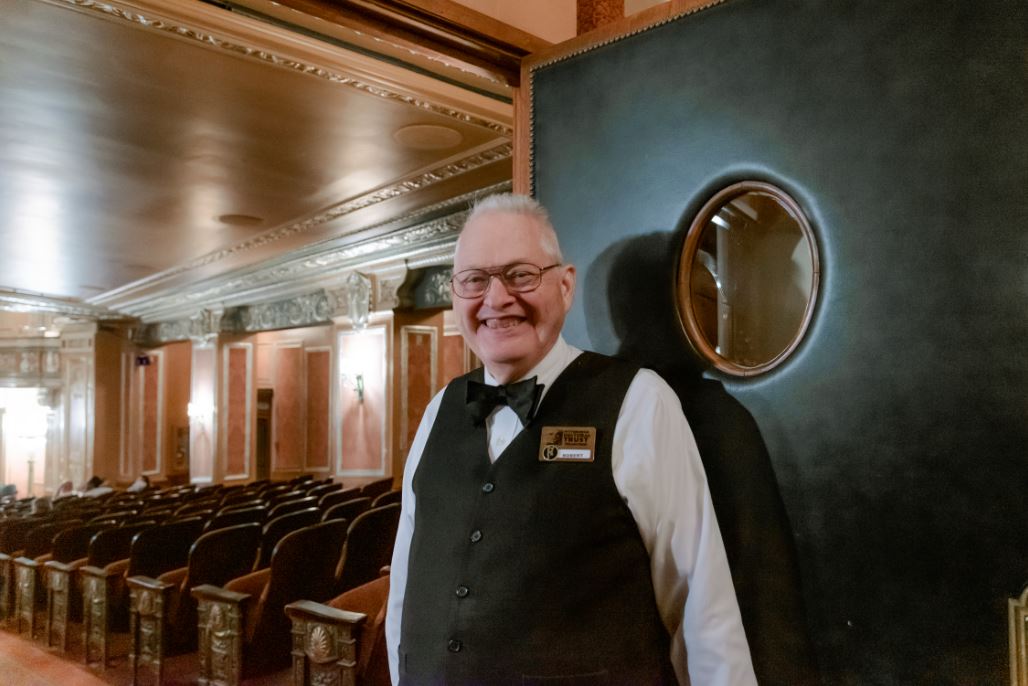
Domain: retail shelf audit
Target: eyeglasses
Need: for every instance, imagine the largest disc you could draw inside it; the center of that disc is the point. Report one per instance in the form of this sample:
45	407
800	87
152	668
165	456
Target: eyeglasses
521	277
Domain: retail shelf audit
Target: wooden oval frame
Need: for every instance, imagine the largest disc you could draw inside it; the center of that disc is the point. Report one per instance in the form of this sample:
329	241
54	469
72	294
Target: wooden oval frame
683	294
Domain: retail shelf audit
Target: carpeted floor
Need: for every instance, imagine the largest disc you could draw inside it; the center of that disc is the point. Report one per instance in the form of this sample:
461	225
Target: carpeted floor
25	662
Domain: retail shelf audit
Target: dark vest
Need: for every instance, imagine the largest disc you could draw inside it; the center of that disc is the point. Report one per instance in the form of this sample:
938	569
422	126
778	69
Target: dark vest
526	569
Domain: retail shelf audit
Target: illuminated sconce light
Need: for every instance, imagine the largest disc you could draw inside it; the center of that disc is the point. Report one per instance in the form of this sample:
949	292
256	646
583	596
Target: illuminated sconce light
359	387
356	382
199	411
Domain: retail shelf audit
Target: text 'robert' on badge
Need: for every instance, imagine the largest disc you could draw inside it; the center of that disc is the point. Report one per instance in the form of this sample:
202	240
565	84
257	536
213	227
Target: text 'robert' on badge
567	444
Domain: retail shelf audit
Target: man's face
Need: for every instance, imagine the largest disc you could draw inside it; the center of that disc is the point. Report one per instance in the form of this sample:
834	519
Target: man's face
510	332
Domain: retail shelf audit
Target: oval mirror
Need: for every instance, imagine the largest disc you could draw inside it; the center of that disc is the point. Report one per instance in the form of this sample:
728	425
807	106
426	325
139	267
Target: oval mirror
748	278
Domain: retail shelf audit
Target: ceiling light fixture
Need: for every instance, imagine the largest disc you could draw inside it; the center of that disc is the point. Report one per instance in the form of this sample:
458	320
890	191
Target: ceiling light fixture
428	137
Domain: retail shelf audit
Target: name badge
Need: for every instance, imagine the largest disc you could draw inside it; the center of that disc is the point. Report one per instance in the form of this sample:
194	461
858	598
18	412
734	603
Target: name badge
567	444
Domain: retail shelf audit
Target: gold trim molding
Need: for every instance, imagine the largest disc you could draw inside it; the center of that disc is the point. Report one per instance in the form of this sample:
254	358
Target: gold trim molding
180	29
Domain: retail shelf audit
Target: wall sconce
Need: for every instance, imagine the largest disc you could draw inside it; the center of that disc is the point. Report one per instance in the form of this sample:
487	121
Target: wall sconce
356	382
200	412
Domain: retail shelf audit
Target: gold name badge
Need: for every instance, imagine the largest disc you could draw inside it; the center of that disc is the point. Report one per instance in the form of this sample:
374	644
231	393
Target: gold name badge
567	444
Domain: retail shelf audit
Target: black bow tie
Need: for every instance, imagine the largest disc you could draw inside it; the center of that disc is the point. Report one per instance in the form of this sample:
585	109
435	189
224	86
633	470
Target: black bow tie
522	397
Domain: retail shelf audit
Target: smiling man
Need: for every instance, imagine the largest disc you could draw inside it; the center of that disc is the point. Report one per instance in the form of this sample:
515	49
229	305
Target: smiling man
556	525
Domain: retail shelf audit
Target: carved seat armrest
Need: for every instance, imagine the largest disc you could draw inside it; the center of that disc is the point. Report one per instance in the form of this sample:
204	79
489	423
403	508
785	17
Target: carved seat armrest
209	593
98	594
308	609
66	567
26	572
146	582
220	633
148	606
324	643
60	597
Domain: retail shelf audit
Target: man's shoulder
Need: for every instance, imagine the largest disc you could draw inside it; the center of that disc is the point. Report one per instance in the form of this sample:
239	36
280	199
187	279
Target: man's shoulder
592	360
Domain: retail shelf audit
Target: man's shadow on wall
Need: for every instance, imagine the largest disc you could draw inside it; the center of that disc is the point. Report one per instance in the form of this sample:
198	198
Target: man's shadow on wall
630	304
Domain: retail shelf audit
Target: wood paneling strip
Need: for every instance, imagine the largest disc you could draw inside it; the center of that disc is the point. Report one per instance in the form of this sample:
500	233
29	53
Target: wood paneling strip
237	435
418	377
318	377
289	429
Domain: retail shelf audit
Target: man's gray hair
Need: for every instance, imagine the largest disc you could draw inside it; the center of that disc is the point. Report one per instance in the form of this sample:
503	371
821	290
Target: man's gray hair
513	203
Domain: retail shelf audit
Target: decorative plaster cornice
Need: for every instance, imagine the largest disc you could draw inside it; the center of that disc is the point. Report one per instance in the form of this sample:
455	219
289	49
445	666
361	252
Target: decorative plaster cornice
210	40
13	300
304	310
428	242
413	183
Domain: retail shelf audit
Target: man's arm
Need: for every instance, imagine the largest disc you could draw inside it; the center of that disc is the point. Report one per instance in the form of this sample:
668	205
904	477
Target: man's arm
658	471
404	533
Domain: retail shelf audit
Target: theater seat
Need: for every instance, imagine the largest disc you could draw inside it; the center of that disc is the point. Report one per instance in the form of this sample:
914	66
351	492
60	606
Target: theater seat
388	498
369	547
303	565
89	544
13	533
162	610
336	497
29	571
349	510
343	641
276	529
376	488
105	589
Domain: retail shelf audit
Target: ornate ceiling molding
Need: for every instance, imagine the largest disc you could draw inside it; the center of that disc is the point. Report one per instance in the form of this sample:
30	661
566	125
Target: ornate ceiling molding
14	300
410	184
179	29
428	241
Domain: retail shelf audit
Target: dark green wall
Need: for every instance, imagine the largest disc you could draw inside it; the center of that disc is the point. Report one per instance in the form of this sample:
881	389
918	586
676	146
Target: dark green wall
896	435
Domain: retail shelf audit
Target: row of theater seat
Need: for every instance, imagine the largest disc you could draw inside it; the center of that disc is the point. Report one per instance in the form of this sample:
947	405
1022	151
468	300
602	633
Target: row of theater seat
181	563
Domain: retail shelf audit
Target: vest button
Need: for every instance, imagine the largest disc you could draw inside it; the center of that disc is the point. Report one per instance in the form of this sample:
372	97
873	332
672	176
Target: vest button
476	536
454	646
488	487
462	591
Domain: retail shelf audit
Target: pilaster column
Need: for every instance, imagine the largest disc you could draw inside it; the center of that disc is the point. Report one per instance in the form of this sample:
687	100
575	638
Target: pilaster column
203	396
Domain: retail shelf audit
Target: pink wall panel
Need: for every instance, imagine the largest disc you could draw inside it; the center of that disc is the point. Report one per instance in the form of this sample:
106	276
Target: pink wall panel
318	370
235	424
151	400
362	440
290	429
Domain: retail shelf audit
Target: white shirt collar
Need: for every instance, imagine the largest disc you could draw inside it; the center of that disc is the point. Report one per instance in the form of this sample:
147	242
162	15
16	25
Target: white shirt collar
549	368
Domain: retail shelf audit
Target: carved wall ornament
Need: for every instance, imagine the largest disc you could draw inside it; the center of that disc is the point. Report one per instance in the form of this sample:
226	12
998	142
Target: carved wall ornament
319	644
204	326
303	310
358	299
388	293
29	363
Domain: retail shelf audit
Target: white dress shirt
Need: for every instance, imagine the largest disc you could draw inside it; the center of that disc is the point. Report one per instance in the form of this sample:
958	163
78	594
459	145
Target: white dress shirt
657	470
